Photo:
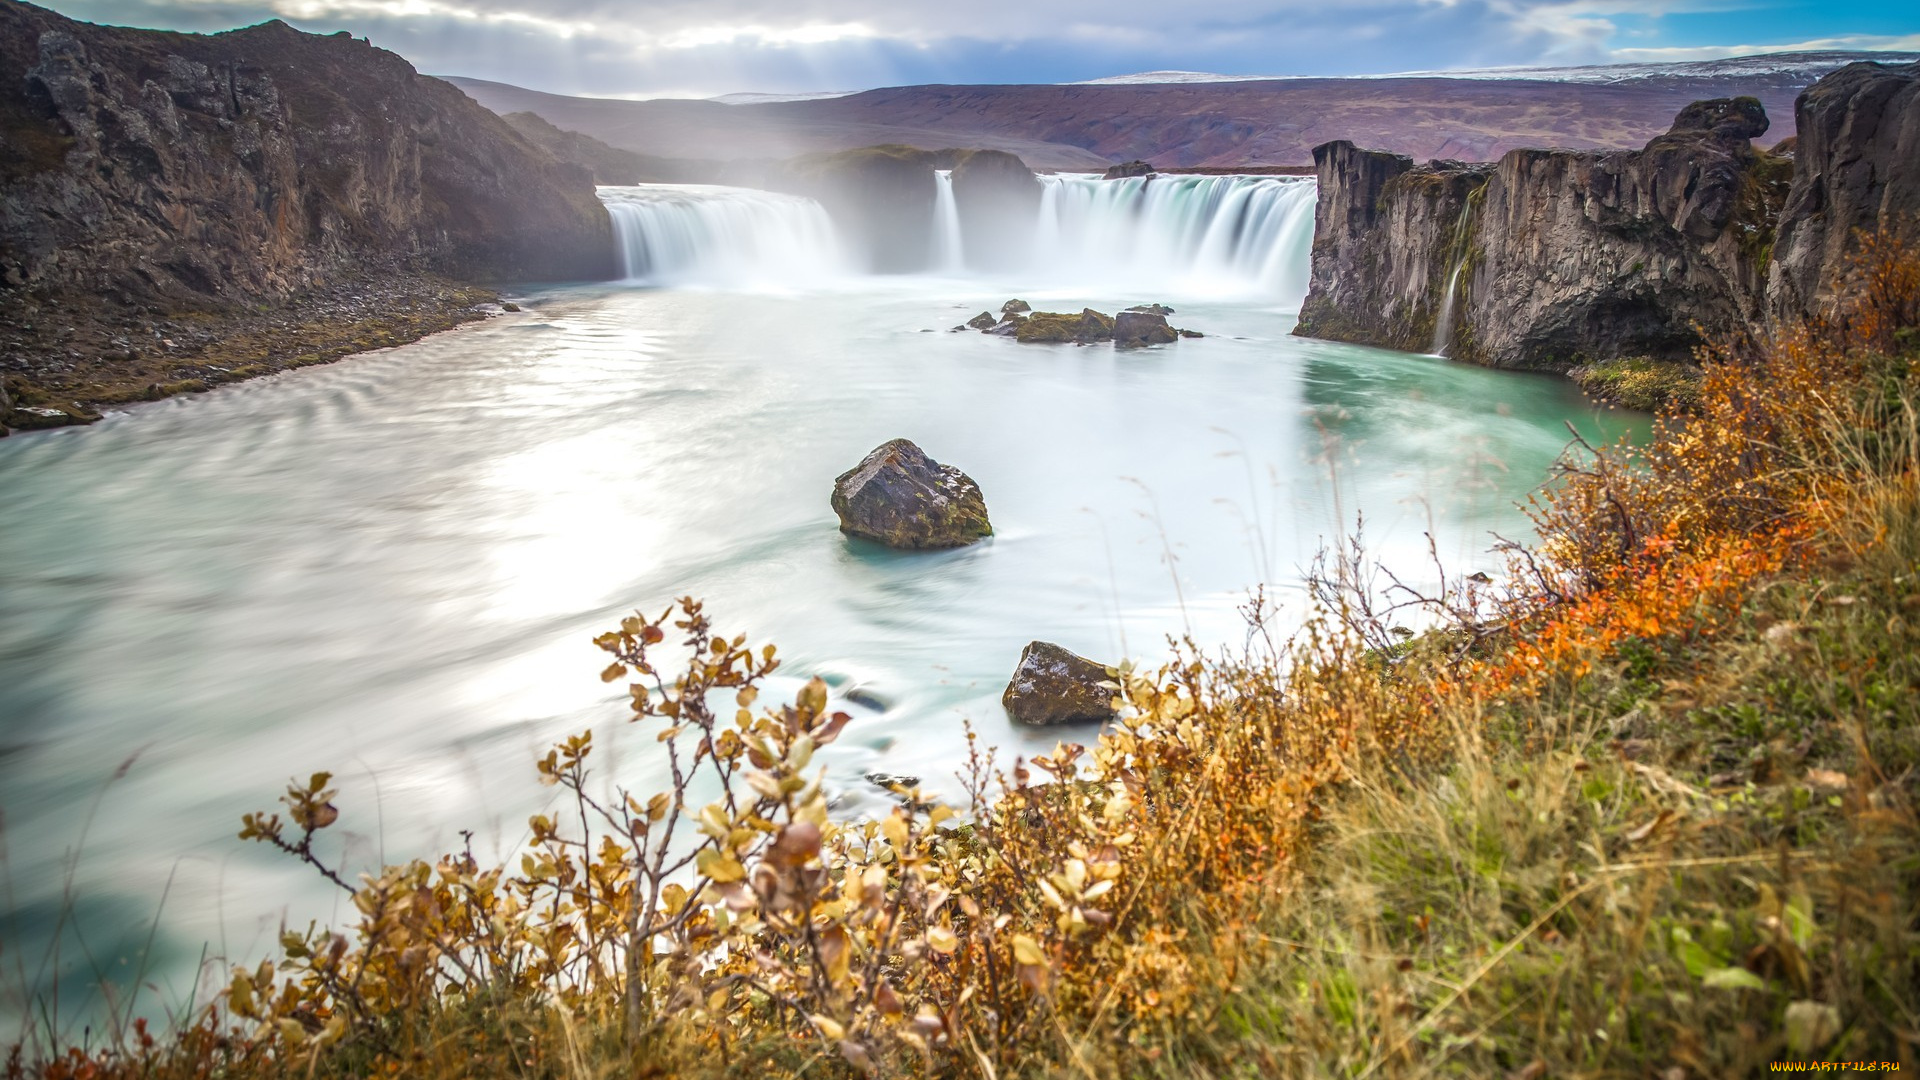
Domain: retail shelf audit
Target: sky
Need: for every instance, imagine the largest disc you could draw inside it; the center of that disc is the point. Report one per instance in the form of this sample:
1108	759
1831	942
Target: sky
699	48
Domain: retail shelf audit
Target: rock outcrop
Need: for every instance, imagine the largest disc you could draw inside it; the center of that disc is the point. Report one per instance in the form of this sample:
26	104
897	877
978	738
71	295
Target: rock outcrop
1856	170
1135	329
900	497
171	170
882	200
880	197
1054	327
1550	258
998	198
1053	686
1128	169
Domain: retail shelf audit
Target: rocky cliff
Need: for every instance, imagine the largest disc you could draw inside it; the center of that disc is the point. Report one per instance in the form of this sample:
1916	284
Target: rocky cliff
1549	258
1856	171
179	170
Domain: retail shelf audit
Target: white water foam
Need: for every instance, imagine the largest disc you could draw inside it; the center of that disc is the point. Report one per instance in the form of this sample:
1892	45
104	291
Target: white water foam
1228	236
695	234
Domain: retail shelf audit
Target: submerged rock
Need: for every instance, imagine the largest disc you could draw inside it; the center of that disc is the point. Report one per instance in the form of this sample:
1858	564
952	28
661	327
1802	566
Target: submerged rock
1155	309
902	498
1133	329
1053	686
982	321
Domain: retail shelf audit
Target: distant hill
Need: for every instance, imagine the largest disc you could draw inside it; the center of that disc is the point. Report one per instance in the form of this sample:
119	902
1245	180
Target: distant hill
1189	119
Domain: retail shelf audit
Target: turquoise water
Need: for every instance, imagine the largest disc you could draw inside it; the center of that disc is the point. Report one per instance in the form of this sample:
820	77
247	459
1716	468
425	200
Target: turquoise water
391	567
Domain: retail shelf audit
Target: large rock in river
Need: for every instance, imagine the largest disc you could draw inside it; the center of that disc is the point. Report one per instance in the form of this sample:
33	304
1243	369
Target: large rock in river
1053	686
904	499
1133	329
1054	327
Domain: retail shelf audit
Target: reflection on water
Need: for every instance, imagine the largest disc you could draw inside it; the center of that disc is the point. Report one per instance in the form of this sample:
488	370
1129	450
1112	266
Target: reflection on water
391	567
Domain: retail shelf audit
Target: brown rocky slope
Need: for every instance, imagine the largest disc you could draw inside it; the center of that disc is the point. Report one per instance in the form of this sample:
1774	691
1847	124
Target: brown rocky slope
149	177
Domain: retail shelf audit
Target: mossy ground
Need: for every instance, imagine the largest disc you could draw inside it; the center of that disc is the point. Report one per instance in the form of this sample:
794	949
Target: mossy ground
1639	382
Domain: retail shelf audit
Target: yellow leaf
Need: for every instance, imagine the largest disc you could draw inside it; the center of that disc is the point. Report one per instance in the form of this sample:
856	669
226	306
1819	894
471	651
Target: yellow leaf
943	940
1028	951
895	828
719	866
613	671
829	1027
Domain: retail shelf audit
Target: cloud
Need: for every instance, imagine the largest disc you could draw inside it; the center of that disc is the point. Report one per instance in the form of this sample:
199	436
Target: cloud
655	47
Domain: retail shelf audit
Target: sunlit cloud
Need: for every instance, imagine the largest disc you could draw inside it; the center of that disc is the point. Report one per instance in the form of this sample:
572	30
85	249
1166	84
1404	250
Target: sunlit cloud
650	48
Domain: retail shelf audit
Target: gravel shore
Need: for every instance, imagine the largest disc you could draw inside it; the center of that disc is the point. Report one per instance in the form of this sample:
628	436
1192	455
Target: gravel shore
61	363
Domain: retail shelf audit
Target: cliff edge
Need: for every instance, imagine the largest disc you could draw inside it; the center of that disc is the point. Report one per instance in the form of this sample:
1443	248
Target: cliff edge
146	174
1550	258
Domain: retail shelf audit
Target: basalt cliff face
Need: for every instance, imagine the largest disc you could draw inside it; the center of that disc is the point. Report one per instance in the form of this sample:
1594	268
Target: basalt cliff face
1555	258
1549	258
165	170
1856	171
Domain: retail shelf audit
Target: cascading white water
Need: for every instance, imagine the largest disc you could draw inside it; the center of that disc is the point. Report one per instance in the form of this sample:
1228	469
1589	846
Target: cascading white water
692	234
1240	236
1234	234
1443	324
947	254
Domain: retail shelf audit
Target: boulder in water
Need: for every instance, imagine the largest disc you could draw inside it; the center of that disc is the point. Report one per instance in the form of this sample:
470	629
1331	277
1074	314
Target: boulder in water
982	321
1128	169
1015	306
1053	327
1134	329
902	498
1007	327
1153	309
1053	686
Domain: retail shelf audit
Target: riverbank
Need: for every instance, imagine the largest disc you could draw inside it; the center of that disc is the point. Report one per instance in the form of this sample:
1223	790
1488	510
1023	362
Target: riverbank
63	362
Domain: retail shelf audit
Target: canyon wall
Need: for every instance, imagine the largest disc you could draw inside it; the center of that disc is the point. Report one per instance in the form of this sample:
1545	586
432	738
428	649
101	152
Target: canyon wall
1554	258
166	170
1856	170
1550	258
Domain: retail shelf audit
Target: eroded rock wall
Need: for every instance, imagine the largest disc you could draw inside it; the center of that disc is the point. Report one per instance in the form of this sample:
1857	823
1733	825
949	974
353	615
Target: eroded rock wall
1554	257
171	170
1856	170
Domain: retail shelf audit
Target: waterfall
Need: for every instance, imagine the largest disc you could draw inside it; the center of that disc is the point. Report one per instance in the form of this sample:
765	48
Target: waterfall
1443	325
692	234
1224	236
947	256
1212	234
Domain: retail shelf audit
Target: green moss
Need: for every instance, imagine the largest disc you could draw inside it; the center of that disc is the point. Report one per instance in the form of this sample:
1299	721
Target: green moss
1639	382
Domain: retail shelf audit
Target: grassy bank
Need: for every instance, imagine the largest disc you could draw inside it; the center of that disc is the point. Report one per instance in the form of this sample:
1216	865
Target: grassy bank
1641	806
